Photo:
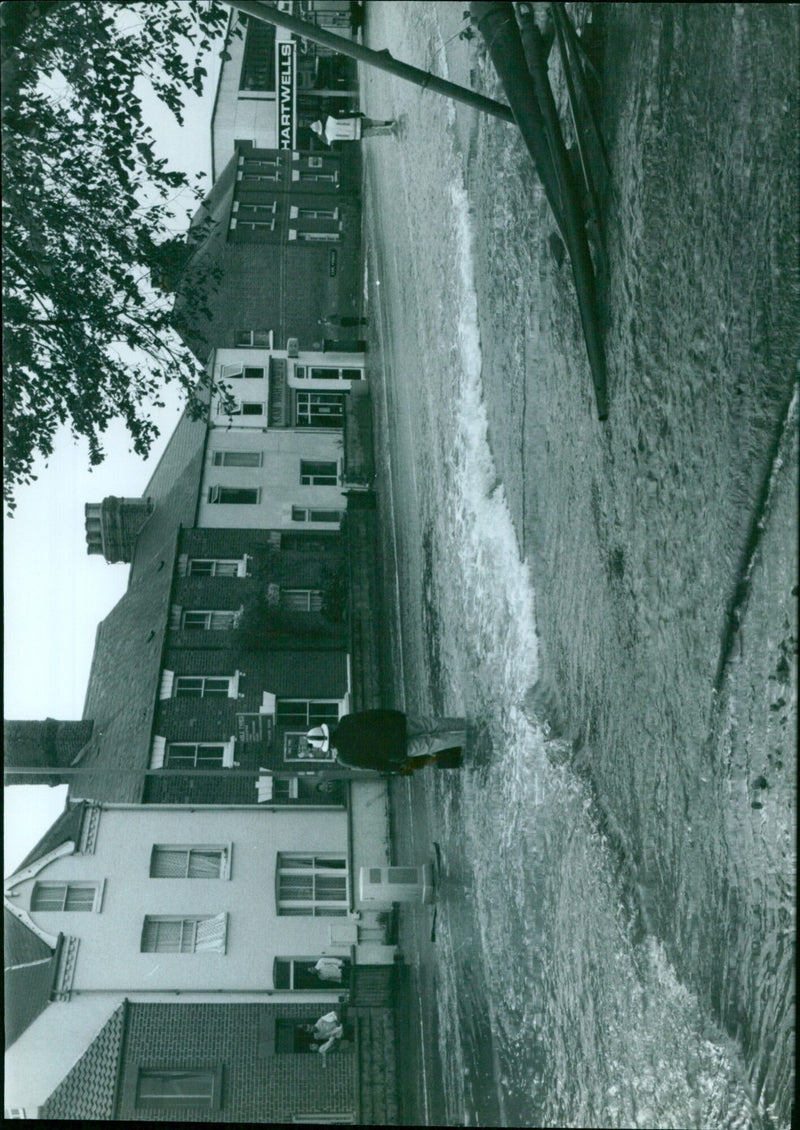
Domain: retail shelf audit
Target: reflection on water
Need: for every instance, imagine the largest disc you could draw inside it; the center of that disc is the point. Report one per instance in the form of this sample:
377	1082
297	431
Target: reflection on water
615	932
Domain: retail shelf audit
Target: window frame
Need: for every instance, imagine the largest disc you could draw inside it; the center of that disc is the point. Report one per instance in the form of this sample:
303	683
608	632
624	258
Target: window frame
226	758
301	600
305	175
319	473
313	907
311	514
185	691
301	212
69	886
256	339
132	1100
252	459
209	614
240	564
307	372
224	862
243	408
314	236
192	921
310	409
316	984
219	495
306	712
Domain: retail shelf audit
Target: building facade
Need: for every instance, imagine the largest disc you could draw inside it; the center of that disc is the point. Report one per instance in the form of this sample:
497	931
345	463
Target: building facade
272	85
164	931
183	946
273	250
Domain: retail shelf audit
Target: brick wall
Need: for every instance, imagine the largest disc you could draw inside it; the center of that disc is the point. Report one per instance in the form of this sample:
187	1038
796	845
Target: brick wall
289	674
317	567
258	1084
284	286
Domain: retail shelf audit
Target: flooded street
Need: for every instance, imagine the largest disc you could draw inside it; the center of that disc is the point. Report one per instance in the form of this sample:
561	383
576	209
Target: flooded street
613	606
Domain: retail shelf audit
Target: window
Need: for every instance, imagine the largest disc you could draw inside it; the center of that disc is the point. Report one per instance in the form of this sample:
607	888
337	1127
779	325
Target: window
173	861
250	163
199	755
202	933
314	236
240	496
329	373
305	713
315	162
237	459
238	224
299	973
302	600
248	177
318	474
242	408
64	896
314	178
168	1089
315	213
312	885
320	409
292	1037
261	211
305	787
305	514
258	339
258	63
218	621
203	686
217	567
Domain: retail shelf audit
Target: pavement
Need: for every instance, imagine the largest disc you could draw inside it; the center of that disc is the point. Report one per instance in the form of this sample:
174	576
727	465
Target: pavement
421	1097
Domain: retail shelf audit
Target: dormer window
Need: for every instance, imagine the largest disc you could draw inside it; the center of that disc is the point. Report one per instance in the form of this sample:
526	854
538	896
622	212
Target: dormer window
65	897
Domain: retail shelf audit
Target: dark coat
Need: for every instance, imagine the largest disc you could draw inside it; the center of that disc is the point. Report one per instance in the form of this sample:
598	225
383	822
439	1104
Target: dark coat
371	739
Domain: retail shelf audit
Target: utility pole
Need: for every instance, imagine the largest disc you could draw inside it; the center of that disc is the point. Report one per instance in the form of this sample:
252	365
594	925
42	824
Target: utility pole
381	59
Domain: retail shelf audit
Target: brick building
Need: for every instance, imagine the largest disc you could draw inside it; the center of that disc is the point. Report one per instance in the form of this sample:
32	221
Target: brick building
274	248
250	615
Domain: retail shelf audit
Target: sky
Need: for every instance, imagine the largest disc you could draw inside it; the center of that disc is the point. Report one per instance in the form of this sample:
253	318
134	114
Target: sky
55	594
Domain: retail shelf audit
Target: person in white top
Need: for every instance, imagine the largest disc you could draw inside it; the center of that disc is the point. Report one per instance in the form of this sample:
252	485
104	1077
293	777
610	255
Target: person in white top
328	1028
350	127
329	969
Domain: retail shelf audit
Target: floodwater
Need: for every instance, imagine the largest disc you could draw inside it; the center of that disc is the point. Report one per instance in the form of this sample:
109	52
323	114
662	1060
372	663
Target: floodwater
615	929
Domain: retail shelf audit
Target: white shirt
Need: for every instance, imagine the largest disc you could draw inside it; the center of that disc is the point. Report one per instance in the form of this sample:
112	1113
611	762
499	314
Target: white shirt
342	129
329	969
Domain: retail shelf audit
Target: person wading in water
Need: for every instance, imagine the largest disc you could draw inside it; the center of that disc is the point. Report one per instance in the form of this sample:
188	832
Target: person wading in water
391	742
